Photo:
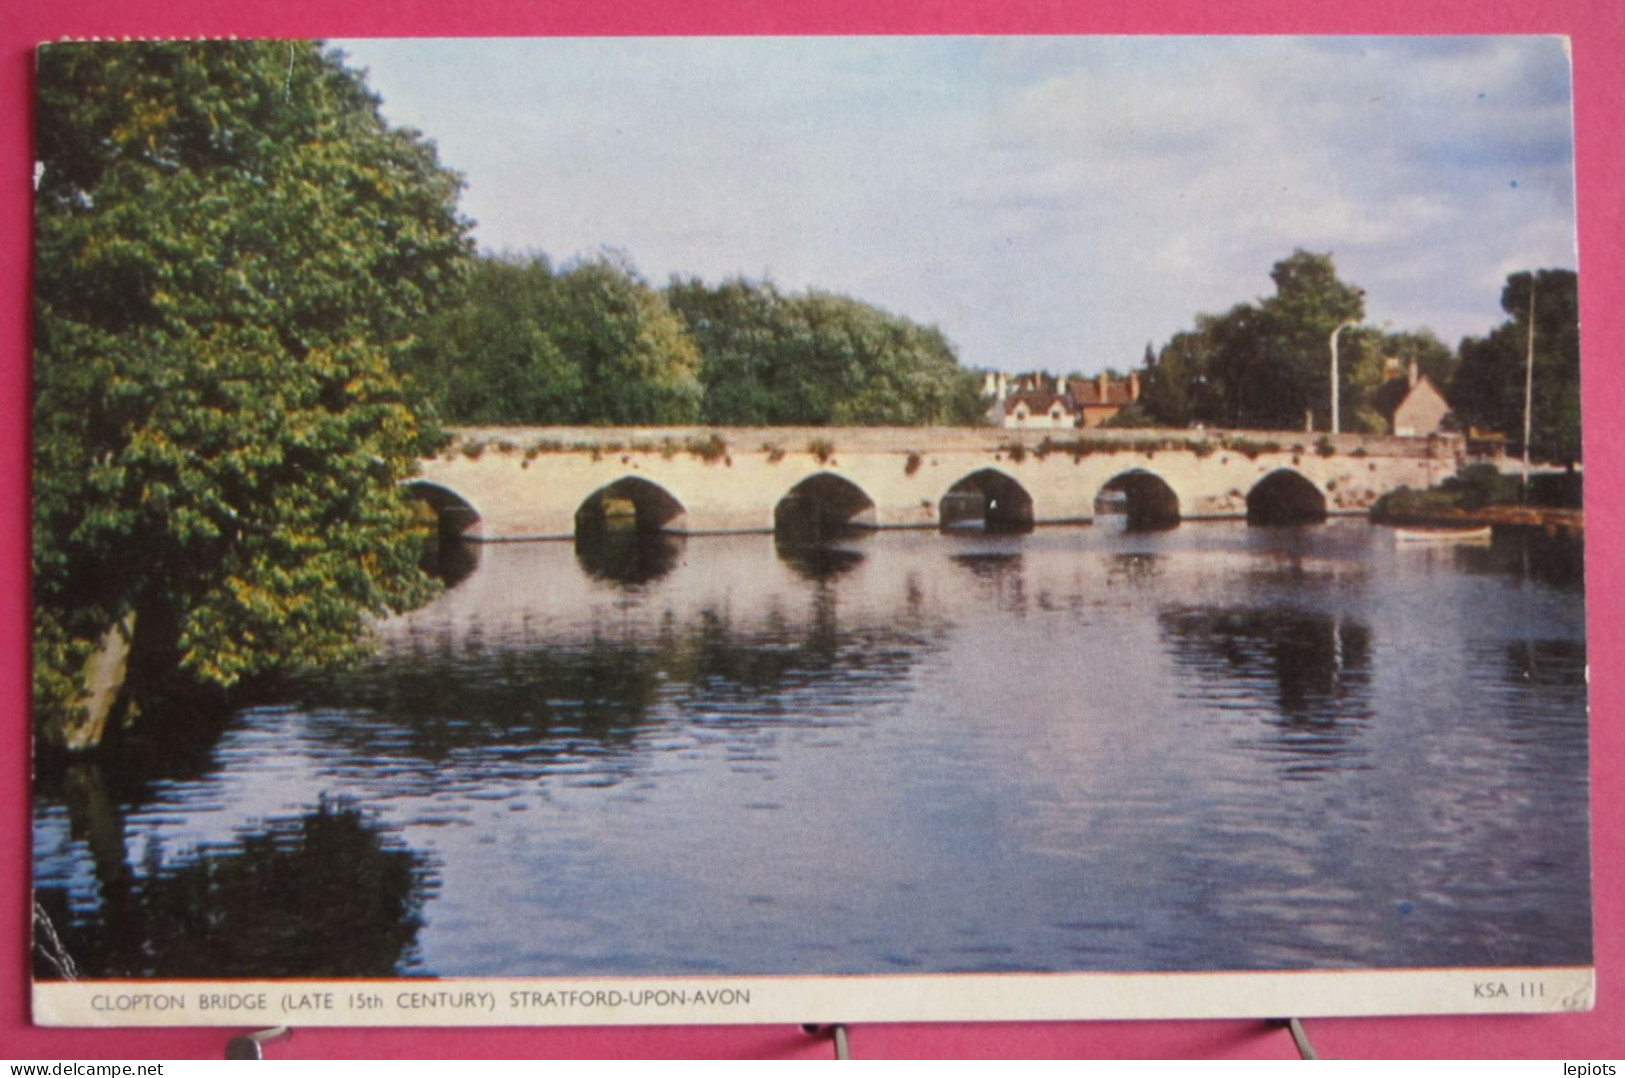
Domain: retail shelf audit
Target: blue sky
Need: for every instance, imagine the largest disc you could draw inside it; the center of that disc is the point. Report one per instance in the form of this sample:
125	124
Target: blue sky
1050	203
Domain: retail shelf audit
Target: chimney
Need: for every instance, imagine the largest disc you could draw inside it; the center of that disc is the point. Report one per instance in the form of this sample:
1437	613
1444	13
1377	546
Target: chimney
1134	386
1060	386
1104	382
1413	373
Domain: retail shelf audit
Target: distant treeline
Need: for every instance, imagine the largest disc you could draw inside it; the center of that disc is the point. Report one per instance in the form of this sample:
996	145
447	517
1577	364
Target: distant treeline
1264	365
594	343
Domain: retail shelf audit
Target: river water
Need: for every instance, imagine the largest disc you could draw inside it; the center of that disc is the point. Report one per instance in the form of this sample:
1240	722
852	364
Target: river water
1210	748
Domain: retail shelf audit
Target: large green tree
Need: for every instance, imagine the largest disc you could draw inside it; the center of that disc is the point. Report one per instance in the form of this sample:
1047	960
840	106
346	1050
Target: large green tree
1267	365
1489	386
232	248
592	343
816	358
1293	343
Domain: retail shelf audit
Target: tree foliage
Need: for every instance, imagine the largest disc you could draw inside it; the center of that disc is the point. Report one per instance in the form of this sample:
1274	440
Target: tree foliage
232	247
1488	390
594	344
1267	365
815	358
591	344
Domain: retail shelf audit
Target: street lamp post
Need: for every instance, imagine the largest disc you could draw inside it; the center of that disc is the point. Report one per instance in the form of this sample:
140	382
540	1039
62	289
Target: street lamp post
1528	391
1336	429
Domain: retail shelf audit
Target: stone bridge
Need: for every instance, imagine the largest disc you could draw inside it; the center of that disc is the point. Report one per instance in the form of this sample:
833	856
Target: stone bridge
512	483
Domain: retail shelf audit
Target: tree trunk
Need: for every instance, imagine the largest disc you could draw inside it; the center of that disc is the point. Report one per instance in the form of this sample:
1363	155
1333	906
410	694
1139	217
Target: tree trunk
104	673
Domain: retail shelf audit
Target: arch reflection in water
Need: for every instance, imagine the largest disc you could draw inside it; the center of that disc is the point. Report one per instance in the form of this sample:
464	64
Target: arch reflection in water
1144	499
817	561
1306	674
986	500
820	508
328	893
627	555
454	562
1285	497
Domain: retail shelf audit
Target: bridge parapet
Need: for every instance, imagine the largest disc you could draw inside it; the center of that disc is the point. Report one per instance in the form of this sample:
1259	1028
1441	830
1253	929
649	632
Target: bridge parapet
943	439
532	482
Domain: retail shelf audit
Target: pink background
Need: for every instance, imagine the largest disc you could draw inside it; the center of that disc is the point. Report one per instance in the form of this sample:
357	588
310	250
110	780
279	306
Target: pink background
1597	28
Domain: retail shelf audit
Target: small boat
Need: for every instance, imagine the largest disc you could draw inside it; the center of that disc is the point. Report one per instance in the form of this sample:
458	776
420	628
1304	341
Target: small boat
1443	535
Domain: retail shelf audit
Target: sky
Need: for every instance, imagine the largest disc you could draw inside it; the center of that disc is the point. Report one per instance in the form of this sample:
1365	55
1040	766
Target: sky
1049	203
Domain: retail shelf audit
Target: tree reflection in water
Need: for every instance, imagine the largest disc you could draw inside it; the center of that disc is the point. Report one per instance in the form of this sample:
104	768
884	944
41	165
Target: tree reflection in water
533	703
619	766
1307	674
1526	554
325	894
438	696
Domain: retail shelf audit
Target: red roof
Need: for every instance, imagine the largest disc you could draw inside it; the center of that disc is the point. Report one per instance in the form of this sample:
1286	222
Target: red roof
1088	393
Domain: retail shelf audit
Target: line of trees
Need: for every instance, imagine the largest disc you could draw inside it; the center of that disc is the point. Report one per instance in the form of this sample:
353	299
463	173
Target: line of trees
594	343
815	358
524	343
1266	365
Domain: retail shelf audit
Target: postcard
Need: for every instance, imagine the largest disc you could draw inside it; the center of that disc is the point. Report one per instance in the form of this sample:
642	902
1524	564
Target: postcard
802	530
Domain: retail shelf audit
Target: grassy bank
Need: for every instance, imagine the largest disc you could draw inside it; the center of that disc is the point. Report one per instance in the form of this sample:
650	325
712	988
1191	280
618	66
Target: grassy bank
1482	495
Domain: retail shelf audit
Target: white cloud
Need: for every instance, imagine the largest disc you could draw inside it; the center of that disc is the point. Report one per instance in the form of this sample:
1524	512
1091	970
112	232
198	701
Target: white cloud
1048	202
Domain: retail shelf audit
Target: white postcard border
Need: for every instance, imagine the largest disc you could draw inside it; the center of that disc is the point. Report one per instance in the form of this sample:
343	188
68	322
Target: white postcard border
800	1000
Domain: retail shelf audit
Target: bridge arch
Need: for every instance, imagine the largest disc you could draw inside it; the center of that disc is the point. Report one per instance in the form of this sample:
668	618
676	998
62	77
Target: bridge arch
1145	498
455	515
1285	496
822	506
630	503
989	499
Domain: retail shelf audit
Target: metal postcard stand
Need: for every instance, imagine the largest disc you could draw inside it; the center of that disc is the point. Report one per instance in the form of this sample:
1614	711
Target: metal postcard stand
836	1033
250	1045
1300	1039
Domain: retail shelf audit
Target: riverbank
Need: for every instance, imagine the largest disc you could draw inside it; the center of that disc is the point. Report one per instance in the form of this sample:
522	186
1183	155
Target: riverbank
1481	495
1551	521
